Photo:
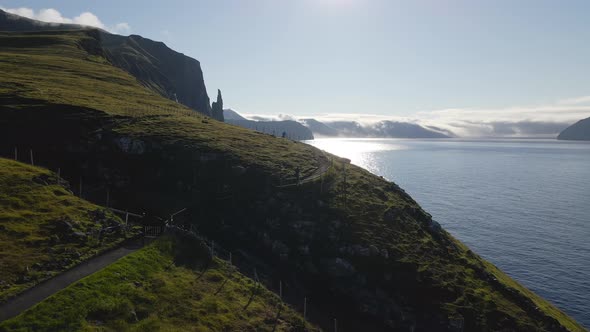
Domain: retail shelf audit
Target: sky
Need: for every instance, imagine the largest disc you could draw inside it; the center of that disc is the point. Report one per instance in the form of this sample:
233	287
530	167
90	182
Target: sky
463	65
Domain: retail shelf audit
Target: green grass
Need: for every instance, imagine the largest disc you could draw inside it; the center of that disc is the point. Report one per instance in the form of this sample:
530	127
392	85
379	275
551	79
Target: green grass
148	291
31	249
433	272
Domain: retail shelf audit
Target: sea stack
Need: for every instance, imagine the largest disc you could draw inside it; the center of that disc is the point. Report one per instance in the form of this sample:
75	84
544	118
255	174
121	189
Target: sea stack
217	107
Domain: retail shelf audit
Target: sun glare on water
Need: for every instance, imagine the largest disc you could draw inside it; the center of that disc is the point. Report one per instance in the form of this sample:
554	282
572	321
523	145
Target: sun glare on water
359	151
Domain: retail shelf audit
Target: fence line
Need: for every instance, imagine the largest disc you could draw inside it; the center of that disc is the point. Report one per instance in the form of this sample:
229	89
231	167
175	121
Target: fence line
221	253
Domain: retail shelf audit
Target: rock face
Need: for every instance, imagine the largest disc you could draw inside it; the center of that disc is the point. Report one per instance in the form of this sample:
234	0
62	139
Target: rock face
217	107
579	131
169	73
130	145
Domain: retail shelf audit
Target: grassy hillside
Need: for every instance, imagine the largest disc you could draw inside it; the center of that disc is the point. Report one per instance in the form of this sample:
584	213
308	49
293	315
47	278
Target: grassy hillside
362	247
44	229
150	290
44	68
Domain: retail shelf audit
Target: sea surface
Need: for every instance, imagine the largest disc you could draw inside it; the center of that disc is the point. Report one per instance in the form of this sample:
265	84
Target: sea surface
522	204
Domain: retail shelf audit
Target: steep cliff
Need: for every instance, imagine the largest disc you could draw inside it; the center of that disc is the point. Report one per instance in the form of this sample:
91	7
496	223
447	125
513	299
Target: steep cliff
171	74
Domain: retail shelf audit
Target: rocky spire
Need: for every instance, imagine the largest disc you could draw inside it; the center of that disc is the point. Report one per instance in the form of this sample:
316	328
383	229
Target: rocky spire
217	107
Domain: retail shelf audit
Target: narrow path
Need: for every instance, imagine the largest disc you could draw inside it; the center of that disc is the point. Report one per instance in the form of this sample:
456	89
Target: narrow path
324	167
325	164
40	292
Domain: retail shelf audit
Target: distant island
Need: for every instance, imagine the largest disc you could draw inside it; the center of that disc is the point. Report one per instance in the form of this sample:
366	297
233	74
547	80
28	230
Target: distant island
579	131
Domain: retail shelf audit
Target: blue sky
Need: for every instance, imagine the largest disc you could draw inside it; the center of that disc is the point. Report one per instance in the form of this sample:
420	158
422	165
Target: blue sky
494	60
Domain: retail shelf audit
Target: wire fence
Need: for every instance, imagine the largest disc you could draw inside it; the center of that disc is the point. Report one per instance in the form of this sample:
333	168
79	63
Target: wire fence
239	261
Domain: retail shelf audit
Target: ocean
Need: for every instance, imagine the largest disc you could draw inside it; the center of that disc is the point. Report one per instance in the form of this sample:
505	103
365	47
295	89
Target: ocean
523	204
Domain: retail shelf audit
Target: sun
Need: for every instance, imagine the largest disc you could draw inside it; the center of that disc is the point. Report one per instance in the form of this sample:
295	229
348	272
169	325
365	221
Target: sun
337	3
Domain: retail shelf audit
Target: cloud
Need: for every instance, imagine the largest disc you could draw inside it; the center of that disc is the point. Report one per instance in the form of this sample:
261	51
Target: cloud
266	117
584	100
517	121
543	120
51	15
122	28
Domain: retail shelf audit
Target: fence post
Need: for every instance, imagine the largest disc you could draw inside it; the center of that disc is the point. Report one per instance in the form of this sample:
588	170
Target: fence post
230	262
335	325
32	163
15	154
281	289
58	176
305	308
126	221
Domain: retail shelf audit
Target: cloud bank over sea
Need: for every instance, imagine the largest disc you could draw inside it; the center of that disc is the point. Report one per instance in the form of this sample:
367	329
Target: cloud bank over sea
517	121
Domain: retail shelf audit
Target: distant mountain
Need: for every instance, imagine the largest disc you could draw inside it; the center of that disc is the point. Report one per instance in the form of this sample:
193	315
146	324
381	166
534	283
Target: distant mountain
579	131
171	74
319	128
349	128
287	128
230	114
385	129
405	130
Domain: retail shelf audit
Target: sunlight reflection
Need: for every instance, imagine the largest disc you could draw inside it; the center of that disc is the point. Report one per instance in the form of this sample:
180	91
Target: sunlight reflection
359	151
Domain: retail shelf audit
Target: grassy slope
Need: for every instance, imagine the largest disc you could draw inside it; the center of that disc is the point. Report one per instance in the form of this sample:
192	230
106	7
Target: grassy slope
34	71
147	291
31	204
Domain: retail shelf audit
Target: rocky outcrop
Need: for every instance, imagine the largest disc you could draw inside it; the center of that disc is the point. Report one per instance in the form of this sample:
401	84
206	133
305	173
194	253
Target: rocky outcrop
217	107
130	145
